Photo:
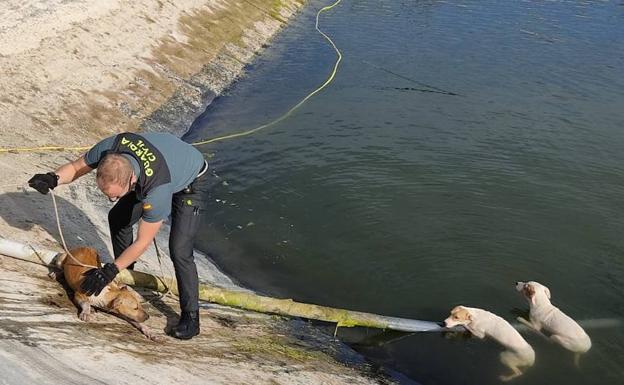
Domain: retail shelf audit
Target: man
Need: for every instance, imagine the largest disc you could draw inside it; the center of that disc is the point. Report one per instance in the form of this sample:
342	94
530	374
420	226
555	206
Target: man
150	176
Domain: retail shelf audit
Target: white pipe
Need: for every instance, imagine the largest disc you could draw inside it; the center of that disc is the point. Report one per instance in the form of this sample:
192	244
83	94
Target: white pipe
29	253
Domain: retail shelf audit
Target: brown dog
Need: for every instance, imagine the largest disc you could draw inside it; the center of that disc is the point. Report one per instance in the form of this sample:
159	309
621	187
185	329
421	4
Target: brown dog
116	298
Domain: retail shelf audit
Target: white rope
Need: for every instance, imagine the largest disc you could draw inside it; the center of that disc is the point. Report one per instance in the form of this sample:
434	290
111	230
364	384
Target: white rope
58	224
162	273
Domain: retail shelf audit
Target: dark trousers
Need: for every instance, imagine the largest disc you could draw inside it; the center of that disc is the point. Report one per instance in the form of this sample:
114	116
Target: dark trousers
186	210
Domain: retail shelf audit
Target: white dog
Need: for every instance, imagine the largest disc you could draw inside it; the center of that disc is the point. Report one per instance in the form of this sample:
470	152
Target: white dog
543	315
482	323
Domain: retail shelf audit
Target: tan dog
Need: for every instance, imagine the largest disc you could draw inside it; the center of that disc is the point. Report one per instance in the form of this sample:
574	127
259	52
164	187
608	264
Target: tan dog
544	315
116	298
482	323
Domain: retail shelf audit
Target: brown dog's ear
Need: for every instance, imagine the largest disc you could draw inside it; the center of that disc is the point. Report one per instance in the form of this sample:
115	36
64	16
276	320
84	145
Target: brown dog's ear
130	290
59	260
97	258
117	302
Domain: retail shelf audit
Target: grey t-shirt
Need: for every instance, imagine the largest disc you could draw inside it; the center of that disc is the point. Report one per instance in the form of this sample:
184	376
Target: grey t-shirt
183	160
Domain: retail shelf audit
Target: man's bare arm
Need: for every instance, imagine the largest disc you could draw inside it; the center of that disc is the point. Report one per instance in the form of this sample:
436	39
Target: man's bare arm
71	171
145	235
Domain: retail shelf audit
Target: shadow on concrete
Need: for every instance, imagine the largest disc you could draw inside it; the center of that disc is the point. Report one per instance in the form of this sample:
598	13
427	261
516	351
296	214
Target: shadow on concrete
34	212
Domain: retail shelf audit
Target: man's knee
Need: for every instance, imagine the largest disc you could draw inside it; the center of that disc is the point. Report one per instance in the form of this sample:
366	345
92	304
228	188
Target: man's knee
181	251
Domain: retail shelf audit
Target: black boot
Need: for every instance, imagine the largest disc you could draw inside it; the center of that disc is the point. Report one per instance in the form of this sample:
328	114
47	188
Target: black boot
188	326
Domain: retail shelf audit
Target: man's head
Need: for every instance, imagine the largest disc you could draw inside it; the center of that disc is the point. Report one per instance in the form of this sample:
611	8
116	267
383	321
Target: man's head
115	176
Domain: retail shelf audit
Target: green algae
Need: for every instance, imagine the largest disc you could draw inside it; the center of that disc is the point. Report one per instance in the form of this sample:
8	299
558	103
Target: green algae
277	348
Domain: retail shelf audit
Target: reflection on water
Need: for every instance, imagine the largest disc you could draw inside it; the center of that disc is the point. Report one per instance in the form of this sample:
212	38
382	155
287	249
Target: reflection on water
462	147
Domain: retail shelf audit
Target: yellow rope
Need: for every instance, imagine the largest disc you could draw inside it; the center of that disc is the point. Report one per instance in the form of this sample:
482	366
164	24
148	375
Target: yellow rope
44	149
230	136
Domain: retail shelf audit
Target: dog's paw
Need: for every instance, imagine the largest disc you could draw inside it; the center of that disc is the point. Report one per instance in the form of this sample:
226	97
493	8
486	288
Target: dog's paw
156	338
508	377
457	334
148	333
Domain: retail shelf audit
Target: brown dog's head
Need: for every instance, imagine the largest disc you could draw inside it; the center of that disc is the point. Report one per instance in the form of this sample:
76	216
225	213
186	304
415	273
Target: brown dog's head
533	291
459	316
128	303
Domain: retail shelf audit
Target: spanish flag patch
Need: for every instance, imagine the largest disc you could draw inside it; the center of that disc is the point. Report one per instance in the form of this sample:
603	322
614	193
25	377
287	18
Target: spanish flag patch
147	206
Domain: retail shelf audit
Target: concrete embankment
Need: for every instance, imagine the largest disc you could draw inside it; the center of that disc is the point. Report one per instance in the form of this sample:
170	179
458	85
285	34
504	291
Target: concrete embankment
74	72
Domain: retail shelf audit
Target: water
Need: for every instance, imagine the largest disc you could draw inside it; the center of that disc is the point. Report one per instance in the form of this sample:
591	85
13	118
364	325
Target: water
462	146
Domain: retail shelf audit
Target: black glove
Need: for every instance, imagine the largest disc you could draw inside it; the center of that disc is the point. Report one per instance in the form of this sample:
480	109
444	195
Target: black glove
44	182
96	279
